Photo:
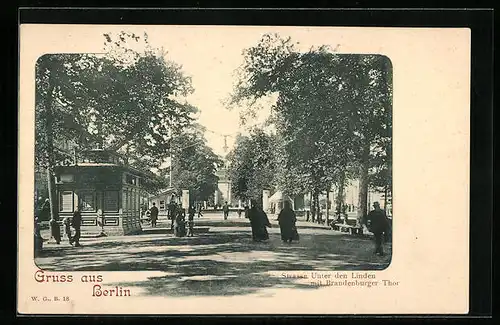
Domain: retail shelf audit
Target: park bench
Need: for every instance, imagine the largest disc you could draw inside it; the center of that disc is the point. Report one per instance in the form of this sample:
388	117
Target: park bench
145	220
353	230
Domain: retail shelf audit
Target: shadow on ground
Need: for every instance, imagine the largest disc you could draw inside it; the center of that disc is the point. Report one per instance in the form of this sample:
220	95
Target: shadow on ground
216	263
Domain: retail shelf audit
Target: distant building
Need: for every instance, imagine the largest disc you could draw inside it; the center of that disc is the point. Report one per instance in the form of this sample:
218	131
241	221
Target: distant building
223	192
162	200
351	199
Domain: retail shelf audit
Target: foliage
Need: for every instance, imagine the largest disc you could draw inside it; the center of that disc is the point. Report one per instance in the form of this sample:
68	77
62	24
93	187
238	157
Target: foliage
329	107
252	165
194	165
128	101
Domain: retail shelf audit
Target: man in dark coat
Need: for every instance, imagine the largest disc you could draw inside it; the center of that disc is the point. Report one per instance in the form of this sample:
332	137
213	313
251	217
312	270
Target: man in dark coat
172	208
378	224
225	209
286	220
153	215
259	222
76	222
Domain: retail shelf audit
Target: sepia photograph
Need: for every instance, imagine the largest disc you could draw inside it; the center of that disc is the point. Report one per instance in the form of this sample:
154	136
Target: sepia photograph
233	162
286	165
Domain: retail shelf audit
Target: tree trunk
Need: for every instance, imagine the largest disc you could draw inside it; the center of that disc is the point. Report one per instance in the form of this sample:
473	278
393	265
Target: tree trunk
53	223
363	186
385	198
317	206
313	207
340	196
50	150
52	194
100	135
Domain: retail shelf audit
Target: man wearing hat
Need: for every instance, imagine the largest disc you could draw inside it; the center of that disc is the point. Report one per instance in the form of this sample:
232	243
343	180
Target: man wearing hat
76	222
378	224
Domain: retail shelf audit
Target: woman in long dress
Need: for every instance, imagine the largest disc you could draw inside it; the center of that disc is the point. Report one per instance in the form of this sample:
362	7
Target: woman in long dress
259	222
286	220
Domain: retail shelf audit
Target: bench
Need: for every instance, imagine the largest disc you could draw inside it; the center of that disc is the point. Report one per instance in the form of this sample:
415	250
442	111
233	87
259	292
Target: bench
353	230
145	220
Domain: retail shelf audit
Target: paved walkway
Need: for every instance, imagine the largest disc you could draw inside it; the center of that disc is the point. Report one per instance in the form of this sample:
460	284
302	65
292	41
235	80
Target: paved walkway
222	261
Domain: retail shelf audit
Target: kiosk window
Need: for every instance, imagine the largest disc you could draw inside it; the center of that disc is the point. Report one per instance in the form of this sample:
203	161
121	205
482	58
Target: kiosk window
111	201
66	201
124	201
88	201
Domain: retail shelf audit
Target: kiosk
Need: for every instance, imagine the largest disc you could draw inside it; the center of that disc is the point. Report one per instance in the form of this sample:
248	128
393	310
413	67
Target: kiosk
109	192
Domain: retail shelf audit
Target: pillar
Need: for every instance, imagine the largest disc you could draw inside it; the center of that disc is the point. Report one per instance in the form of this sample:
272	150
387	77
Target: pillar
265	200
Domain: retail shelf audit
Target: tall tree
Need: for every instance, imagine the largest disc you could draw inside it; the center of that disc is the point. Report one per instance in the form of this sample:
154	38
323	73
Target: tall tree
310	122
194	165
331	108
370	92
54	119
252	166
129	101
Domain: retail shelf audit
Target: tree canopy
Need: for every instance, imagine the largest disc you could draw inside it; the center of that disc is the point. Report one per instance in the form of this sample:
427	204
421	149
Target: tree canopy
333	111
252	165
194	165
130	100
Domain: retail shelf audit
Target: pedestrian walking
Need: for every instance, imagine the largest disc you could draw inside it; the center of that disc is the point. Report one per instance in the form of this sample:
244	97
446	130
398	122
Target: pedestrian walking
76	222
259	222
378	224
191	213
153	215
287	220
55	230
225	209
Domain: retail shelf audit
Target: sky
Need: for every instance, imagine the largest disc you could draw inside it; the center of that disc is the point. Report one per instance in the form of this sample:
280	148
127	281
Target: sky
210	55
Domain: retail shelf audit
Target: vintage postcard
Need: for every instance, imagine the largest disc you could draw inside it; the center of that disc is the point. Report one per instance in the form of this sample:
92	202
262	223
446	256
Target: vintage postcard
243	170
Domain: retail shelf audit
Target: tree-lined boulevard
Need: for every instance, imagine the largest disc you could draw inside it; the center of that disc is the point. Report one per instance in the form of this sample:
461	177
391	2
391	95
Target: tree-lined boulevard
330	123
218	262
